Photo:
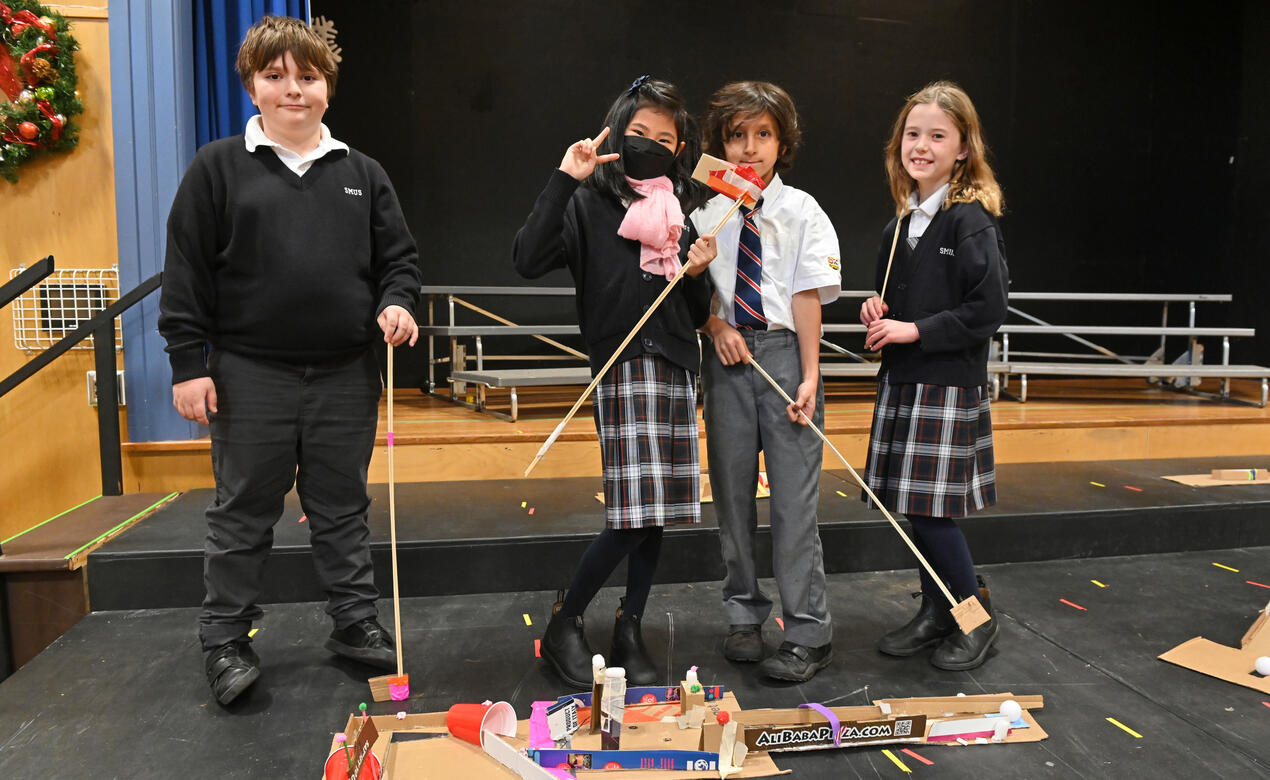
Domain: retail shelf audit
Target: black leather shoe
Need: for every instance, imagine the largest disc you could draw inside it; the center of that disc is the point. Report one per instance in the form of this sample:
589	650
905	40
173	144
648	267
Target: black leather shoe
231	669
628	650
365	641
564	647
930	626
796	663
960	651
744	643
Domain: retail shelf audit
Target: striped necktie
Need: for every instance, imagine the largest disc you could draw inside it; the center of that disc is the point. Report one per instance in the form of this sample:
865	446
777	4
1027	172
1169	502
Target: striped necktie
748	298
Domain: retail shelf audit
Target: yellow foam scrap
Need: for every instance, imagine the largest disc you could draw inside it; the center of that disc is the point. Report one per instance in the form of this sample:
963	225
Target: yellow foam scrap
895	760
1120	725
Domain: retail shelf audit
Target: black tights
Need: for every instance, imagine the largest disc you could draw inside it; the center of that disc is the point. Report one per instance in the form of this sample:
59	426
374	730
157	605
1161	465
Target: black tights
642	548
944	546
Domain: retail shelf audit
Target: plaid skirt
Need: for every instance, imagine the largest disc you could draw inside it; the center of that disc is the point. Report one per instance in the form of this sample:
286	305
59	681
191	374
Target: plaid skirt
646	419
930	451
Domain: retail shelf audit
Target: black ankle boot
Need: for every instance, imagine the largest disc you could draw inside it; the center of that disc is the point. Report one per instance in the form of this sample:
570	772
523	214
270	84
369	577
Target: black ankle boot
564	646
932	623
968	651
628	650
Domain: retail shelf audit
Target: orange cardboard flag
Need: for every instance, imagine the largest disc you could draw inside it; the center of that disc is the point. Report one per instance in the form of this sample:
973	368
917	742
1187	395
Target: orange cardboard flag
729	179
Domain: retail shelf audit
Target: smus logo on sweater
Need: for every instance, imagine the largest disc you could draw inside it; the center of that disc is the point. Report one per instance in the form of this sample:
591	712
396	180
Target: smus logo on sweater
351	191
946	250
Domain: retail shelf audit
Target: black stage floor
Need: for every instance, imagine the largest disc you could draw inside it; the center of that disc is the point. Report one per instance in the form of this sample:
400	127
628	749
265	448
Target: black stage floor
122	694
480	536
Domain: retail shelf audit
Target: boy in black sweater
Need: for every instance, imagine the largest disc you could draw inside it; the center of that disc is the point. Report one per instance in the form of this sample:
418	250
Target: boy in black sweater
287	256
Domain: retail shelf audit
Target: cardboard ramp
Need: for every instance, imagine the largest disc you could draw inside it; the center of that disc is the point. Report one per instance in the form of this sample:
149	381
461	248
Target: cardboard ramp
1232	664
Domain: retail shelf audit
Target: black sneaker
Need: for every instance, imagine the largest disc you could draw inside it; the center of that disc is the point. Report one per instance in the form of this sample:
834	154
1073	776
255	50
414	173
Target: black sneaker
231	669
744	643
796	663
365	641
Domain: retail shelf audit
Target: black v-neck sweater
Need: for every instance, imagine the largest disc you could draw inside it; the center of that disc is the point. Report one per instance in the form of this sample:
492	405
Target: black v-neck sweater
576	228
276	266
954	285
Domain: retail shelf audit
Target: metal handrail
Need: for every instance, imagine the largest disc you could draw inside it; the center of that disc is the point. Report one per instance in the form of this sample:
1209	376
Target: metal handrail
25	281
101	326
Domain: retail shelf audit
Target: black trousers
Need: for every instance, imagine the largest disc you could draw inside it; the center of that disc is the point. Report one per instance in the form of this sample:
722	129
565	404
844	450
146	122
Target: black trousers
280	425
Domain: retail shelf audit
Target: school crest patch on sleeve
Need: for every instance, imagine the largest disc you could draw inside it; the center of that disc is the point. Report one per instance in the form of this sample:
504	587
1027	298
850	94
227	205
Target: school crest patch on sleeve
834	264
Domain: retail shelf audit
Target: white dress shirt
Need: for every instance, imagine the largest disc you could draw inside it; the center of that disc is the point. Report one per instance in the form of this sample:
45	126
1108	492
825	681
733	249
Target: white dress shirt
255	137
800	252
923	213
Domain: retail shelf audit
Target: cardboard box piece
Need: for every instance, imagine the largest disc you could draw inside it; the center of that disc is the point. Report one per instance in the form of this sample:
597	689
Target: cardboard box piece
419	745
1218	477
1236	665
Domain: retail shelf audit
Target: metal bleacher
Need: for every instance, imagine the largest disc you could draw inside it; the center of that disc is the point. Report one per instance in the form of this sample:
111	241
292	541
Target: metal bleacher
470	367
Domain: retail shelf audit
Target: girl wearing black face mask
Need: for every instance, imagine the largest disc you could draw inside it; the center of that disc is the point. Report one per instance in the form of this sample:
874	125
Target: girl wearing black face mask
613	214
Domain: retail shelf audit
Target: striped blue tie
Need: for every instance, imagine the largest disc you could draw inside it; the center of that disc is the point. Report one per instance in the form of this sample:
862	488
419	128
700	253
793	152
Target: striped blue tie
748	299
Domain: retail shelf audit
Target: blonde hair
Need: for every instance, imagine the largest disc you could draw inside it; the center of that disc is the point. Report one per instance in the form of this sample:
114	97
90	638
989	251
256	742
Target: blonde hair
274	36
972	179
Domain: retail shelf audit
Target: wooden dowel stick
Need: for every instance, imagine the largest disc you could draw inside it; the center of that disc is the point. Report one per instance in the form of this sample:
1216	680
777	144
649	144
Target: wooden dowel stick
727	215
392	519
894	240
921	558
506	321
542	451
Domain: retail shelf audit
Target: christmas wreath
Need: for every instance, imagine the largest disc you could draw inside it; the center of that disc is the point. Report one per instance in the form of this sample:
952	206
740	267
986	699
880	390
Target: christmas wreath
37	76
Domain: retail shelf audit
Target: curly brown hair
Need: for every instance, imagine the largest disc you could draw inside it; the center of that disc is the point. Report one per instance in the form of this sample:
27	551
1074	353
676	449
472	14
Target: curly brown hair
972	178
734	103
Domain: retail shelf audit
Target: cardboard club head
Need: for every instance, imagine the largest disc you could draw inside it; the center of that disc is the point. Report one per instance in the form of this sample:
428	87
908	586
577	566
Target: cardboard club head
730	180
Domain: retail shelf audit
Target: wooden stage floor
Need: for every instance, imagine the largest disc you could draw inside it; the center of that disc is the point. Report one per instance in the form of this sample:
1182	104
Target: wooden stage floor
1063	420
848	409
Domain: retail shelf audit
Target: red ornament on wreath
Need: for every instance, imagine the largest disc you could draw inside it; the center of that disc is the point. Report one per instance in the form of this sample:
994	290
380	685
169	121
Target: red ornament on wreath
28	130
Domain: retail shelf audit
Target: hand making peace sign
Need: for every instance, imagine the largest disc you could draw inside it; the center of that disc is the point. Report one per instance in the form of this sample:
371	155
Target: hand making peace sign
581	158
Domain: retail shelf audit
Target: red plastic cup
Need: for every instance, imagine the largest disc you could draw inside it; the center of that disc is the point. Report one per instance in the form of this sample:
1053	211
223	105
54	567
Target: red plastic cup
469	722
337	766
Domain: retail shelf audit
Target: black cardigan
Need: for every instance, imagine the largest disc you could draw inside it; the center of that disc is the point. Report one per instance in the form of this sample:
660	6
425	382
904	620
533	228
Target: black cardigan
281	267
954	286
576	227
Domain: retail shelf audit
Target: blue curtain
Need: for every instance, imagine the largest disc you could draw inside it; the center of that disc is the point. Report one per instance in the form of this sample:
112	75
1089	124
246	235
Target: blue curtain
221	105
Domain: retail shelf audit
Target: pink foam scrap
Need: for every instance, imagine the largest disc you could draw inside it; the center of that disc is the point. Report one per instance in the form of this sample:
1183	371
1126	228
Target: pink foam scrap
539	731
390	438
398	692
964	735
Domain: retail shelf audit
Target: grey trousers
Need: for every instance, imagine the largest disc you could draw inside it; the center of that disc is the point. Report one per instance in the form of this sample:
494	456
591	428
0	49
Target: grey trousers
280	425
744	415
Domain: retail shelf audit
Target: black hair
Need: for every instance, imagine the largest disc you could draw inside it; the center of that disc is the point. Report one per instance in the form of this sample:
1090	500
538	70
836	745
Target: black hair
610	178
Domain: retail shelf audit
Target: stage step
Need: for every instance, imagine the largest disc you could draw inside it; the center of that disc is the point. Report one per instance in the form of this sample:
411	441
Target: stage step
437	440
493	536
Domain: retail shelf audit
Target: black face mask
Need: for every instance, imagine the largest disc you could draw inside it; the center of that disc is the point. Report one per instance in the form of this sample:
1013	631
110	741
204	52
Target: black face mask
644	158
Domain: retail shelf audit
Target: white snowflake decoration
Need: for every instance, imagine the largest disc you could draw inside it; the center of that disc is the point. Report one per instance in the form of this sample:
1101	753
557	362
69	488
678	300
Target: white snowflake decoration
326	29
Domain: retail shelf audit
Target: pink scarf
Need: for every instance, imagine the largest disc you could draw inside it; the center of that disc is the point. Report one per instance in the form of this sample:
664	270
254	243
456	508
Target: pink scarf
656	222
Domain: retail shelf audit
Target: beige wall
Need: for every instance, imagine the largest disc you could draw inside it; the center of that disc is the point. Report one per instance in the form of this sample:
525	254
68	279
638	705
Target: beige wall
63	205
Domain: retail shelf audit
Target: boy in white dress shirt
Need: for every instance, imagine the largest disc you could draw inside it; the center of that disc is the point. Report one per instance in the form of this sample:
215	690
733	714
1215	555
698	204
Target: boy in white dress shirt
777	265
